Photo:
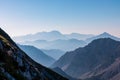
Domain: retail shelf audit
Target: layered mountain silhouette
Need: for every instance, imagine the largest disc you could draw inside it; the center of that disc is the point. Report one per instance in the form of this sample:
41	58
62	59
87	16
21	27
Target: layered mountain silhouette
57	40
51	36
103	35
99	60
64	45
16	65
79	36
54	53
37	55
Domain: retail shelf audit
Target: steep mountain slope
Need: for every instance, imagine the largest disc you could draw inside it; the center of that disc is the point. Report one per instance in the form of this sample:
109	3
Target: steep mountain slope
99	60
16	65
103	35
54	53
37	55
64	45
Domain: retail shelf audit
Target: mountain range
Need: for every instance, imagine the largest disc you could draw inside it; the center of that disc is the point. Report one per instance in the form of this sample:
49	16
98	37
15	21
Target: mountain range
64	45
79	36
37	55
57	40
92	58
51	36
99	60
16	65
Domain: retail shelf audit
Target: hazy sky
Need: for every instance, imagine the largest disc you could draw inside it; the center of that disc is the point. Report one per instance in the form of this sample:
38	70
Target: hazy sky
19	17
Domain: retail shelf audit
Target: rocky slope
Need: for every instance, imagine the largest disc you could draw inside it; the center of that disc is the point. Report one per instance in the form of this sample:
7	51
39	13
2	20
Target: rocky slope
16	65
99	60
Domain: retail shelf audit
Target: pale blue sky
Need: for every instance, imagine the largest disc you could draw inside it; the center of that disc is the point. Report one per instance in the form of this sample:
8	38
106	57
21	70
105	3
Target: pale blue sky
19	17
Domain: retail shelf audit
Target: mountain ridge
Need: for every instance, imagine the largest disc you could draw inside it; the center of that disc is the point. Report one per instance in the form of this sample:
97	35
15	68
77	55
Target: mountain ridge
37	55
50	36
64	45
92	61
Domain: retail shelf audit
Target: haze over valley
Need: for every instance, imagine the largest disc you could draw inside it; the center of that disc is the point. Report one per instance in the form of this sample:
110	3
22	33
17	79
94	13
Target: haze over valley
59	39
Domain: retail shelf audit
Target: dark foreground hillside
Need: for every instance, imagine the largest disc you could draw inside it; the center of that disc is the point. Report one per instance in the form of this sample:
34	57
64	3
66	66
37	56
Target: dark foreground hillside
16	65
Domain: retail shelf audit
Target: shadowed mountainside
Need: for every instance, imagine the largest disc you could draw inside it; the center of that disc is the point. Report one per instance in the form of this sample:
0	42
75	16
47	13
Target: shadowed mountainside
16	65
99	60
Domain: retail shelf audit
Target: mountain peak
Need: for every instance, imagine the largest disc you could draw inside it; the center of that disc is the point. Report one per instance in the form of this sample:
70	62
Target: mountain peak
106	34
103	35
55	31
45	32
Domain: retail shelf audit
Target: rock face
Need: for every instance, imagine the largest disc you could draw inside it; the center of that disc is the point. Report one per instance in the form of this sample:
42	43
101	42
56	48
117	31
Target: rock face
99	60
16	65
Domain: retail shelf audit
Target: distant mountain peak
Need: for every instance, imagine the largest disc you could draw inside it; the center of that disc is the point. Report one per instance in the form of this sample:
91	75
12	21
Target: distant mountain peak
55	31
103	35
106	34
